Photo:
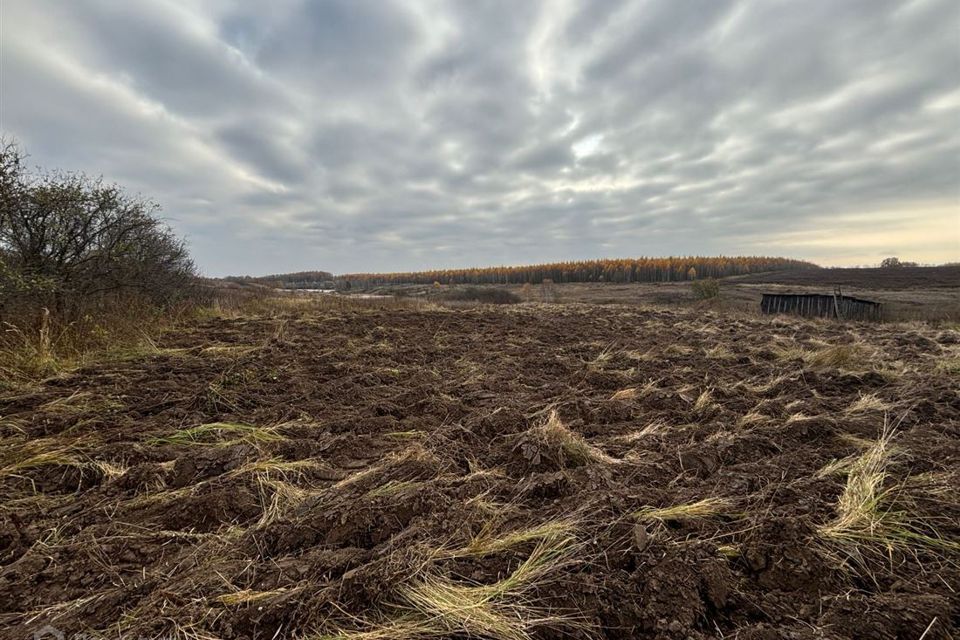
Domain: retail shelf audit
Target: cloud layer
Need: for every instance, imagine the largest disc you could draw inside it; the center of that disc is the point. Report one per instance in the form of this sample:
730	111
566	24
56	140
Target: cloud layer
366	135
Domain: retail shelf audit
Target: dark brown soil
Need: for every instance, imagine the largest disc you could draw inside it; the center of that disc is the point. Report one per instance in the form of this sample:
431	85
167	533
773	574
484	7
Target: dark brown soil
875	278
387	435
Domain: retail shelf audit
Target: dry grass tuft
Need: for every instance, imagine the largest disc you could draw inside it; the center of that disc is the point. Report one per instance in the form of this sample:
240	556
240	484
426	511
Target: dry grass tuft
80	402
704	403
700	509
871	514
432	605
392	488
765	387
651	429
414	434
44	452
560	530
34	454
276	467
402	466
487	610
625	394
214	432
837	466
553	436
278	498
855	356
247	596
867	403
602	360
949	365
751	417
675	349
719	352
228	350
632	393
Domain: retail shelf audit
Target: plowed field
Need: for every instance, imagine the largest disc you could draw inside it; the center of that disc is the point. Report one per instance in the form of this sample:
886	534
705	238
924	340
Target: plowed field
517	472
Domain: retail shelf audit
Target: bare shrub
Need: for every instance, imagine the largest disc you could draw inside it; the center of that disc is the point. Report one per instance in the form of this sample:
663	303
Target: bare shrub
82	264
705	289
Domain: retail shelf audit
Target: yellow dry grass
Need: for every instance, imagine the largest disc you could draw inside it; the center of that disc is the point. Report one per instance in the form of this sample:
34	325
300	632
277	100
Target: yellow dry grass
248	596
625	394
704	403
576	450
434	606
704	508
560	530
719	352
867	403
276	467
751	417
873	513
854	356
215	432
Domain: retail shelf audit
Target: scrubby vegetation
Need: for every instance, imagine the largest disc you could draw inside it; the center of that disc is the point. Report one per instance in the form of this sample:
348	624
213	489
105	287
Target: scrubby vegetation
705	289
83	267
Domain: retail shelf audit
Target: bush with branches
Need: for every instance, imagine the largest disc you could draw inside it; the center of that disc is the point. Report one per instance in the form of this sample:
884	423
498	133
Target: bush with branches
78	257
705	289
75	244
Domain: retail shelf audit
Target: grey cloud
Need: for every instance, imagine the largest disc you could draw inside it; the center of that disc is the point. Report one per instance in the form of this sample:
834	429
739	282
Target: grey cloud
374	135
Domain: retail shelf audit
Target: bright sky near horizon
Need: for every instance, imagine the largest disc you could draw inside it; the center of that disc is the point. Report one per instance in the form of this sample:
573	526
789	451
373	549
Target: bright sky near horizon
370	135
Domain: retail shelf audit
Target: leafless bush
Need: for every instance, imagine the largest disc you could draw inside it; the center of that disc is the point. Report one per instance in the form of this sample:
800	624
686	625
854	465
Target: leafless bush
83	265
705	289
79	246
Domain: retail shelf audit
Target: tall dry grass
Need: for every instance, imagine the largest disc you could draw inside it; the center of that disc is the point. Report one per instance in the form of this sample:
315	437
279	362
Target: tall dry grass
40	344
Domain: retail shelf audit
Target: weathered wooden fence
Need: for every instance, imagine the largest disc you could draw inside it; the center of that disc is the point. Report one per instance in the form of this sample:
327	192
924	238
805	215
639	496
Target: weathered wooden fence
817	305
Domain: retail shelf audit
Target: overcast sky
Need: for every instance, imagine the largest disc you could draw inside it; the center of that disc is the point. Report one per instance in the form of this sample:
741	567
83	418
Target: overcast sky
353	135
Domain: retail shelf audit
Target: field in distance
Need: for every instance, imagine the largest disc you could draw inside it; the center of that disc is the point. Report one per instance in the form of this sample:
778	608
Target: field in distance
908	293
374	469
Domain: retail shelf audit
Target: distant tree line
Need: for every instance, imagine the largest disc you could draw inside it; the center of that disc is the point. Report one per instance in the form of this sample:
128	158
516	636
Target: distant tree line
894	262
297	280
669	269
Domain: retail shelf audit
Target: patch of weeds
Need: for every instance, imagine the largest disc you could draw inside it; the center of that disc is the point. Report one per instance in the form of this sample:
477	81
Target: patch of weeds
214	432
949	365
866	403
487	541
871	514
431	605
719	352
698	510
704	404
551	439
392	488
